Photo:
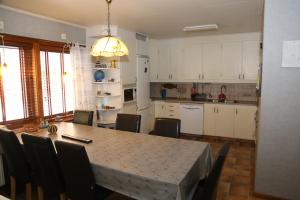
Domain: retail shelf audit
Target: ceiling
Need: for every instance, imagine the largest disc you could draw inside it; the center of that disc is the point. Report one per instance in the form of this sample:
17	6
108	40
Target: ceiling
157	18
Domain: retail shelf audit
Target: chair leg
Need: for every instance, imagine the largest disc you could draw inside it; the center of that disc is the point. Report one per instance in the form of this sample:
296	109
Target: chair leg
28	191
62	196
40	193
12	188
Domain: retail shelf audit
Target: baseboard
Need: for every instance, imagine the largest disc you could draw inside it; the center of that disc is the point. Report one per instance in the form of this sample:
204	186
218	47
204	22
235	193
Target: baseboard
265	196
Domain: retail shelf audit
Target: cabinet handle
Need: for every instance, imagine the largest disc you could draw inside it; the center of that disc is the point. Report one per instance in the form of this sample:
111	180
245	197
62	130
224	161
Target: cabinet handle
157	76
202	76
244	76
217	110
171	76
214	110
236	111
239	76
199	76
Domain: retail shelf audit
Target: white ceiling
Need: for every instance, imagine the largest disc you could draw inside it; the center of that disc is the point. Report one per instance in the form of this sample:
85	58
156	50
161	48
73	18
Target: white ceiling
157	18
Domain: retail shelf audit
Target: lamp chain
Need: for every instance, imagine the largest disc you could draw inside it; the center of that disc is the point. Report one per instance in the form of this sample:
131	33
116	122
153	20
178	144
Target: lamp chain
108	16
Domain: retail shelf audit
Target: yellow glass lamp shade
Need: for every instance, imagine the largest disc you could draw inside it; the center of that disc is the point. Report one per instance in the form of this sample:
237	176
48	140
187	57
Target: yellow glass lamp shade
108	47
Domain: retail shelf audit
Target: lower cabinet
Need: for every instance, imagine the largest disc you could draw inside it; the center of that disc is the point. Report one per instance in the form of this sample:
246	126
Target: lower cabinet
166	109
233	121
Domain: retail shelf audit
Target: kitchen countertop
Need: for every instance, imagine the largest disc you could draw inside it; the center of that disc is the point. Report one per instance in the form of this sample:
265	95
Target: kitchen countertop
186	100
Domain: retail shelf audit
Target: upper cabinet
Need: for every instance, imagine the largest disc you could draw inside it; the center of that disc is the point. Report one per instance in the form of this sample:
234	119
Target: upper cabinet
231	63
192	62
128	63
211	61
176	60
251	59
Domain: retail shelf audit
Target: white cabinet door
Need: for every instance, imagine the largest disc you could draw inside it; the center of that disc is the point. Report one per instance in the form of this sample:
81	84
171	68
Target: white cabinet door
128	63
159	109
231	60
251	59
192	69
176	62
225	120
209	119
211	61
153	54
245	122
164	62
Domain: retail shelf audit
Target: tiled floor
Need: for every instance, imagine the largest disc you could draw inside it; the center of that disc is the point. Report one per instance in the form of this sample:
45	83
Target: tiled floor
236	181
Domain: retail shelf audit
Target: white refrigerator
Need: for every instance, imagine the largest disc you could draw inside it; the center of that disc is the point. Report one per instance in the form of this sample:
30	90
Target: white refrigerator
143	92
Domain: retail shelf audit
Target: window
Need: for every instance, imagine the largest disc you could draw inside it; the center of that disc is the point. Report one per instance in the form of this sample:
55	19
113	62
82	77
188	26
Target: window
57	84
13	84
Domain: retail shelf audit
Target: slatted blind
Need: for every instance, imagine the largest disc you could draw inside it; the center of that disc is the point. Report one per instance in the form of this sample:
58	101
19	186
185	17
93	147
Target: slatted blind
17	83
57	83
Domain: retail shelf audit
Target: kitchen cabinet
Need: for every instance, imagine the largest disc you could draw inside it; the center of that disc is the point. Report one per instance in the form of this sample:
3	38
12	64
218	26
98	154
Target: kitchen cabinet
159	109
231	60
128	63
166	109
220	61
245	122
219	120
164	63
209	119
192	62
224	121
251	60
211	61
153	53
233	121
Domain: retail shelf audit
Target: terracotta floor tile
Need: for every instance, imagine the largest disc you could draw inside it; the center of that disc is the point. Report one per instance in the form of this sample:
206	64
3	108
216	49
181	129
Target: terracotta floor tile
236	181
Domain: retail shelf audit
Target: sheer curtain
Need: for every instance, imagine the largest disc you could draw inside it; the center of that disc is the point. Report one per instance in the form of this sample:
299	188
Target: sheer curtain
80	61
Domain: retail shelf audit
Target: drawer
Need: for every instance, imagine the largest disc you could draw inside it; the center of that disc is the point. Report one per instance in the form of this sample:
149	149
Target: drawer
172	113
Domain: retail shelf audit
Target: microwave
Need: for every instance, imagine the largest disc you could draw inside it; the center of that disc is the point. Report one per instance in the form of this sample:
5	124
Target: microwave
129	94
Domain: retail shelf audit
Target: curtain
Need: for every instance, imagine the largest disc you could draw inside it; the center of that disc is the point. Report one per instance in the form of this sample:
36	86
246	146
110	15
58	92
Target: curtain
82	80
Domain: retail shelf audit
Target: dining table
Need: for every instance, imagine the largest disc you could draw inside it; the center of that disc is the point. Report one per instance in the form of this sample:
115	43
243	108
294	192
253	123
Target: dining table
139	165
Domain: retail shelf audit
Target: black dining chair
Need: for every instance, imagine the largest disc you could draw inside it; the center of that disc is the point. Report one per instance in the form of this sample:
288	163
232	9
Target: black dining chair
77	172
84	117
128	122
207	189
167	127
41	155
17	165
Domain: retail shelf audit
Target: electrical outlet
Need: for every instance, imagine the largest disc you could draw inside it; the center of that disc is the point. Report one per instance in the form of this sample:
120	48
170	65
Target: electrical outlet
1	25
63	36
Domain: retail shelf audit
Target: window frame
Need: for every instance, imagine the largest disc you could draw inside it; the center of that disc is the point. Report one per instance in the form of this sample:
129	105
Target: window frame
36	45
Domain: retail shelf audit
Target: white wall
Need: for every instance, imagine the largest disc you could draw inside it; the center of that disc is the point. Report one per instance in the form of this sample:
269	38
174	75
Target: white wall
278	152
22	24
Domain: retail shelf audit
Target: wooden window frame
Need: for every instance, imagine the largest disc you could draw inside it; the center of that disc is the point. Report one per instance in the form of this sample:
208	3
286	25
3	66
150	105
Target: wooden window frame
36	45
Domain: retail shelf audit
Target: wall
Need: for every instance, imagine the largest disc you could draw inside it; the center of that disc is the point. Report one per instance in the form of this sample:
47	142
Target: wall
278	152
18	23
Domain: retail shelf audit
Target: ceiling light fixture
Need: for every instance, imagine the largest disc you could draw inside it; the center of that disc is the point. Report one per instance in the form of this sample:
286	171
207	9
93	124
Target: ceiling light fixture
109	46
201	28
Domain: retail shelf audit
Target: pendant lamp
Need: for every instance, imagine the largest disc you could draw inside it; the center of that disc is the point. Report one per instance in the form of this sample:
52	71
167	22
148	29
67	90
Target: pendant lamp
109	46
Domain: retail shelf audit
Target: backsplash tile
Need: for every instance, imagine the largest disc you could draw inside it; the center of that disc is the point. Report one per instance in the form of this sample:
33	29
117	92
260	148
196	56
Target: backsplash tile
234	91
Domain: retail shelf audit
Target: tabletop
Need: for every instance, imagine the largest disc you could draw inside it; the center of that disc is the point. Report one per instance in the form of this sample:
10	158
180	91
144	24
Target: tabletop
139	165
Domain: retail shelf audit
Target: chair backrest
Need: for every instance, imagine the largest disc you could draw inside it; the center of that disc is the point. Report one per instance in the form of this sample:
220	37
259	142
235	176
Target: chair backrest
167	127
84	117
128	122
208	190
42	158
77	171
15	157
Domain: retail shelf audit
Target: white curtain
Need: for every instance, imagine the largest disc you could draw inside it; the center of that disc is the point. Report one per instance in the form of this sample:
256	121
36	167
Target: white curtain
81	77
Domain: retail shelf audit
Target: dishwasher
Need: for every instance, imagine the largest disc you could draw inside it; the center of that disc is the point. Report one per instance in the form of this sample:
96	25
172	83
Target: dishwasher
191	116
